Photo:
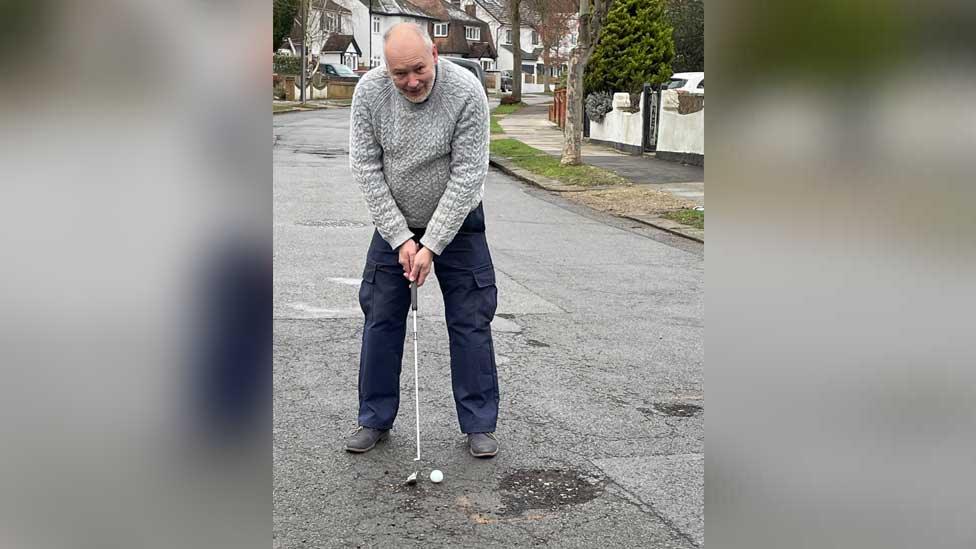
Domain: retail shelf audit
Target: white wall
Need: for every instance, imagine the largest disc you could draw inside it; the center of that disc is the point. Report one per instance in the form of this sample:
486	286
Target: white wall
331	58
359	27
619	126
311	92
682	133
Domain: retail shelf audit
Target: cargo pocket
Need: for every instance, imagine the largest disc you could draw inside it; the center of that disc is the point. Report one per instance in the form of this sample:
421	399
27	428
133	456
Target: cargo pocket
484	279
484	276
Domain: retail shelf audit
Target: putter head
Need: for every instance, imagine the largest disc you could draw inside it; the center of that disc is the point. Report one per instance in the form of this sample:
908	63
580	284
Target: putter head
412	479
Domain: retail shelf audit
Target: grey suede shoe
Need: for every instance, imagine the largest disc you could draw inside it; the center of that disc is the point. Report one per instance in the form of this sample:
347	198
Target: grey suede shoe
364	438
482	445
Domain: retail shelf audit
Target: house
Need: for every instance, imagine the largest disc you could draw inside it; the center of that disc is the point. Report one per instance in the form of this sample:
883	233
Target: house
495	12
458	33
326	18
455	32
342	49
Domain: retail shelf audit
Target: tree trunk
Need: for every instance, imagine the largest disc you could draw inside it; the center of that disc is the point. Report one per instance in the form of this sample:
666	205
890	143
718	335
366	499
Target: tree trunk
516	50
573	132
590	25
547	68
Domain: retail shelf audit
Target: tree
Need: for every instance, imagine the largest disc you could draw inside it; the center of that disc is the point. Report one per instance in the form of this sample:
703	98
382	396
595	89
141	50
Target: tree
515	17
593	14
283	16
687	17
552	24
635	48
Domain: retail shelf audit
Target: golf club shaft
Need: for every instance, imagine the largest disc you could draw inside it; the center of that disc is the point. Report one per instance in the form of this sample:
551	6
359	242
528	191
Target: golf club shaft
416	382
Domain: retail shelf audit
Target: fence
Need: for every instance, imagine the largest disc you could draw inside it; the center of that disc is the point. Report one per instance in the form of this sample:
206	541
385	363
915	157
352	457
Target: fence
557	111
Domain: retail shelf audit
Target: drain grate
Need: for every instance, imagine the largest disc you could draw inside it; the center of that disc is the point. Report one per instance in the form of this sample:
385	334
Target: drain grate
546	489
673	409
332	223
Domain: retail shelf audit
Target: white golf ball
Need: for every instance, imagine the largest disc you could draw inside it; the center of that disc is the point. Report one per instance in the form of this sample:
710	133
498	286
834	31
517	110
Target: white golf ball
436	476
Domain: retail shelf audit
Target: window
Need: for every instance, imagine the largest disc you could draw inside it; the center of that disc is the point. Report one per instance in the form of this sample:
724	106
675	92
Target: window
535	38
440	29
486	64
472	33
375	61
508	36
376	24
572	39
675	83
701	85
331	22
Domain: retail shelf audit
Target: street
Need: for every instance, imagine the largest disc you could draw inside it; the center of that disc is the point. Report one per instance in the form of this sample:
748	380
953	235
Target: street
599	340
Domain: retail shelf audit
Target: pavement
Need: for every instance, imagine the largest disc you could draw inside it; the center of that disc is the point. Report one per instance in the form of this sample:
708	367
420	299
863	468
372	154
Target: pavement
599	339
531	126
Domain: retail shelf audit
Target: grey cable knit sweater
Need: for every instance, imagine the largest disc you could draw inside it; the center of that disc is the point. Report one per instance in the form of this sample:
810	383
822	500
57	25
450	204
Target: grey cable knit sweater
420	165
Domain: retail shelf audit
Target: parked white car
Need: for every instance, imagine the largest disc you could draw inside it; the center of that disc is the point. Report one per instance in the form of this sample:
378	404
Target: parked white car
691	82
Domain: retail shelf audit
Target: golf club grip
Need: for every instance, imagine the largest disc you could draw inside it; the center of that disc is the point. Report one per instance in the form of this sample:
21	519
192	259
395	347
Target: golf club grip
413	296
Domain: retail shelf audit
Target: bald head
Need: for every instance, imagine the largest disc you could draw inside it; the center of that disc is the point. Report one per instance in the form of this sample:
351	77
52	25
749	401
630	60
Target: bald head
410	60
406	33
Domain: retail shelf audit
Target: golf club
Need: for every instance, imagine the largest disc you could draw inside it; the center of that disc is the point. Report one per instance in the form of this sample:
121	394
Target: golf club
412	479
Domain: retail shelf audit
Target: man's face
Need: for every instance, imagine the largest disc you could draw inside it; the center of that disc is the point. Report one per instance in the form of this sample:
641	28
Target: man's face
411	66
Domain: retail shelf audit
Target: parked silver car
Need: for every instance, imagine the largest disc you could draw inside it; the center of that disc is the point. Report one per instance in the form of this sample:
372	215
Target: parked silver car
337	70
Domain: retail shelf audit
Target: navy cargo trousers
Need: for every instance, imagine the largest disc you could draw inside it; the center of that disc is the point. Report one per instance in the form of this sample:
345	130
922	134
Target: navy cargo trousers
467	280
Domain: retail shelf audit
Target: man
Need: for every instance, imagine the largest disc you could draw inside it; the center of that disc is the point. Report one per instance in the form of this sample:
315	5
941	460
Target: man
419	150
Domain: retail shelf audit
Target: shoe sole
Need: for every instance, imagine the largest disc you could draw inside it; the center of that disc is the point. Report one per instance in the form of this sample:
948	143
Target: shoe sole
482	454
364	450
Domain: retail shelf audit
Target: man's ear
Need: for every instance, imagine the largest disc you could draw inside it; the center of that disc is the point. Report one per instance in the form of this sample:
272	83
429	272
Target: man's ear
433	50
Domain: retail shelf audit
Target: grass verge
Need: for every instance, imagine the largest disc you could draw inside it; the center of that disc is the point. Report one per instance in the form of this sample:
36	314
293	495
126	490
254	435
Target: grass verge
540	163
693	218
502	110
495	127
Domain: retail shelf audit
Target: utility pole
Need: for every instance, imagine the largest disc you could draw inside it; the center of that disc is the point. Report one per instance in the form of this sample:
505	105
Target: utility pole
301	76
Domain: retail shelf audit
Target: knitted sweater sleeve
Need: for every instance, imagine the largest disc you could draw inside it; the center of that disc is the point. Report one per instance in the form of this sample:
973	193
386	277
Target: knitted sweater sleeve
469	167
366	164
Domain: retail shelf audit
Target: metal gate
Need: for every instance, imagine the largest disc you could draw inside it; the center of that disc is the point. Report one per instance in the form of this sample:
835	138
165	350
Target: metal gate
651	110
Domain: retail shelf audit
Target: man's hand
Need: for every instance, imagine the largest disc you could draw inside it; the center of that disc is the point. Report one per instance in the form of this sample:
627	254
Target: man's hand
408	250
421	266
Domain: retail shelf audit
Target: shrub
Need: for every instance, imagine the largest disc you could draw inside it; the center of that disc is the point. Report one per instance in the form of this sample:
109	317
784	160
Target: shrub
508	100
287	64
598	105
635	47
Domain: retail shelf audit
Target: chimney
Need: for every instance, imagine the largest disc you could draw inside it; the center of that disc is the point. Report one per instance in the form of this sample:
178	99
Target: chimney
469	9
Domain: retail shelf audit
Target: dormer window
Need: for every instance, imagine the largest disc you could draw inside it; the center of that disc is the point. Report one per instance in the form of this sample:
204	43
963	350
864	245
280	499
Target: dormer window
440	29
472	33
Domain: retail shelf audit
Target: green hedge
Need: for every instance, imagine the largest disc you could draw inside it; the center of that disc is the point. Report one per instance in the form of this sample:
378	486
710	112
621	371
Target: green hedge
287	64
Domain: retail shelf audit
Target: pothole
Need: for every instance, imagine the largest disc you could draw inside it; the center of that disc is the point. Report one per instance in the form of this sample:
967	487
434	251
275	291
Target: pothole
545	489
672	409
332	223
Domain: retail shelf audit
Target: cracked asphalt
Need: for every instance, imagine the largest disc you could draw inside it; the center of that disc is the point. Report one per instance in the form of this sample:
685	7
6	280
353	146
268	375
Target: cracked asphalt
599	332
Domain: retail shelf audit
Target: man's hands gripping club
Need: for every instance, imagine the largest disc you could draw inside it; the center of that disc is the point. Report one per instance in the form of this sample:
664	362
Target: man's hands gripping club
416	262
